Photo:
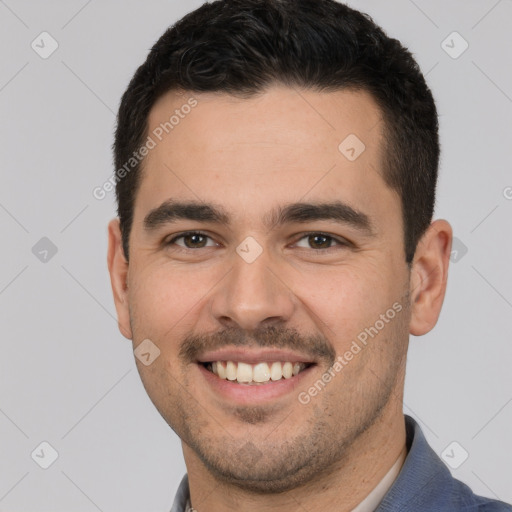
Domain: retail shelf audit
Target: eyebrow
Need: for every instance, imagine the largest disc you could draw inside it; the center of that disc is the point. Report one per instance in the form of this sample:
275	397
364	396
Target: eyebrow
171	211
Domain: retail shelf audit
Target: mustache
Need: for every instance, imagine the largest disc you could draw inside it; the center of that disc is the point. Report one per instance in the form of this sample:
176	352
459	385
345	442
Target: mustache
314	346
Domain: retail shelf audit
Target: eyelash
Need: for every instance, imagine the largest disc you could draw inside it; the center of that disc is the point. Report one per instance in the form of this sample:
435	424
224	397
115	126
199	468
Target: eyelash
339	242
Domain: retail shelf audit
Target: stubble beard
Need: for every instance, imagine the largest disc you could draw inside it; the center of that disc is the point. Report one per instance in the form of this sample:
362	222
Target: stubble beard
277	463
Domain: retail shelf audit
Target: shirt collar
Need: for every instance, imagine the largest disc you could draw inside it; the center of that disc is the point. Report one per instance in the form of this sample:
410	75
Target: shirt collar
422	472
182	496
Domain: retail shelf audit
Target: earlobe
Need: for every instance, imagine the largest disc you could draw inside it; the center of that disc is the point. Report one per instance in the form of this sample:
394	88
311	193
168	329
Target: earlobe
429	276
118	269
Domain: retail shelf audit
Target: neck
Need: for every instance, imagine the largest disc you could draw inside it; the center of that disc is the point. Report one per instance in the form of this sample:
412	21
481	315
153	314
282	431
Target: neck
341	487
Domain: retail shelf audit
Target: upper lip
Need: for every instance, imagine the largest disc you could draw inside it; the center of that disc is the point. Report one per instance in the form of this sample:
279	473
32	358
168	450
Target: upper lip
253	356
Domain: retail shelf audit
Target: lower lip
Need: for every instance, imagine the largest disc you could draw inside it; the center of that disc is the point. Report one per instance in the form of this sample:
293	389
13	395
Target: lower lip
249	394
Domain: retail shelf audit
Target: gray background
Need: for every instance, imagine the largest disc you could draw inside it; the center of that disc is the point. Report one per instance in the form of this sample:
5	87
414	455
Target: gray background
68	376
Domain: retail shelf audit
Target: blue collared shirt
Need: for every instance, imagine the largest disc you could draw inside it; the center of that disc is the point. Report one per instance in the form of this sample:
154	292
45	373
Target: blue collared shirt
424	484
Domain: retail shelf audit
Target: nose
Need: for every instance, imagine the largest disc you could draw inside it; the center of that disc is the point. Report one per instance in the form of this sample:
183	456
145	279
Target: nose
252	296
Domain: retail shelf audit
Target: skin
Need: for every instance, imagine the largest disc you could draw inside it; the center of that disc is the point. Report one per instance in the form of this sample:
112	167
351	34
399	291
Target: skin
249	156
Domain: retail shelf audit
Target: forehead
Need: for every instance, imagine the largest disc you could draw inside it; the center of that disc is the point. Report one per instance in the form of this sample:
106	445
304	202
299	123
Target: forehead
282	145
302	119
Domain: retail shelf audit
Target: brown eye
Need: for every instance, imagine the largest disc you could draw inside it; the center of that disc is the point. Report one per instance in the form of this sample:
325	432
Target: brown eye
191	240
319	241
194	240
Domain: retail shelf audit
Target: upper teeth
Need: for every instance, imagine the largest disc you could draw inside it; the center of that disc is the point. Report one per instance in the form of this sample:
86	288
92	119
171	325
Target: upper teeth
261	372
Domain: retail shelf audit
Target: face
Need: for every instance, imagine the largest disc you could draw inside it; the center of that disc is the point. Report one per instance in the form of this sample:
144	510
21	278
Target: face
267	267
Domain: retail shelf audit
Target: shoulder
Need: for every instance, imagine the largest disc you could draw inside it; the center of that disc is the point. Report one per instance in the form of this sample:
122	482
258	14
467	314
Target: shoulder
462	498
425	484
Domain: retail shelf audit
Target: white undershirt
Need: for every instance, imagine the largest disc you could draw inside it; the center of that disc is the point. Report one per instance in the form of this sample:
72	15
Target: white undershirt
372	501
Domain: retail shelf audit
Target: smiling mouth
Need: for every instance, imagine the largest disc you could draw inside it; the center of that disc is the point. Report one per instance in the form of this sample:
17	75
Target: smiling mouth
255	374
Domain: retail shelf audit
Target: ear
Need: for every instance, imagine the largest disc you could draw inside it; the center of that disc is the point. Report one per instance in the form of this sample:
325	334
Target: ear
118	269
429	275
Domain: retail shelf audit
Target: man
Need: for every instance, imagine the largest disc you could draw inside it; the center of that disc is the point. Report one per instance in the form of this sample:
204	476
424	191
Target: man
276	172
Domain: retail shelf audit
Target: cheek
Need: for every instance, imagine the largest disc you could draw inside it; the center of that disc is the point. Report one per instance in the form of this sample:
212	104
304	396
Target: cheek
344	301
163	301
